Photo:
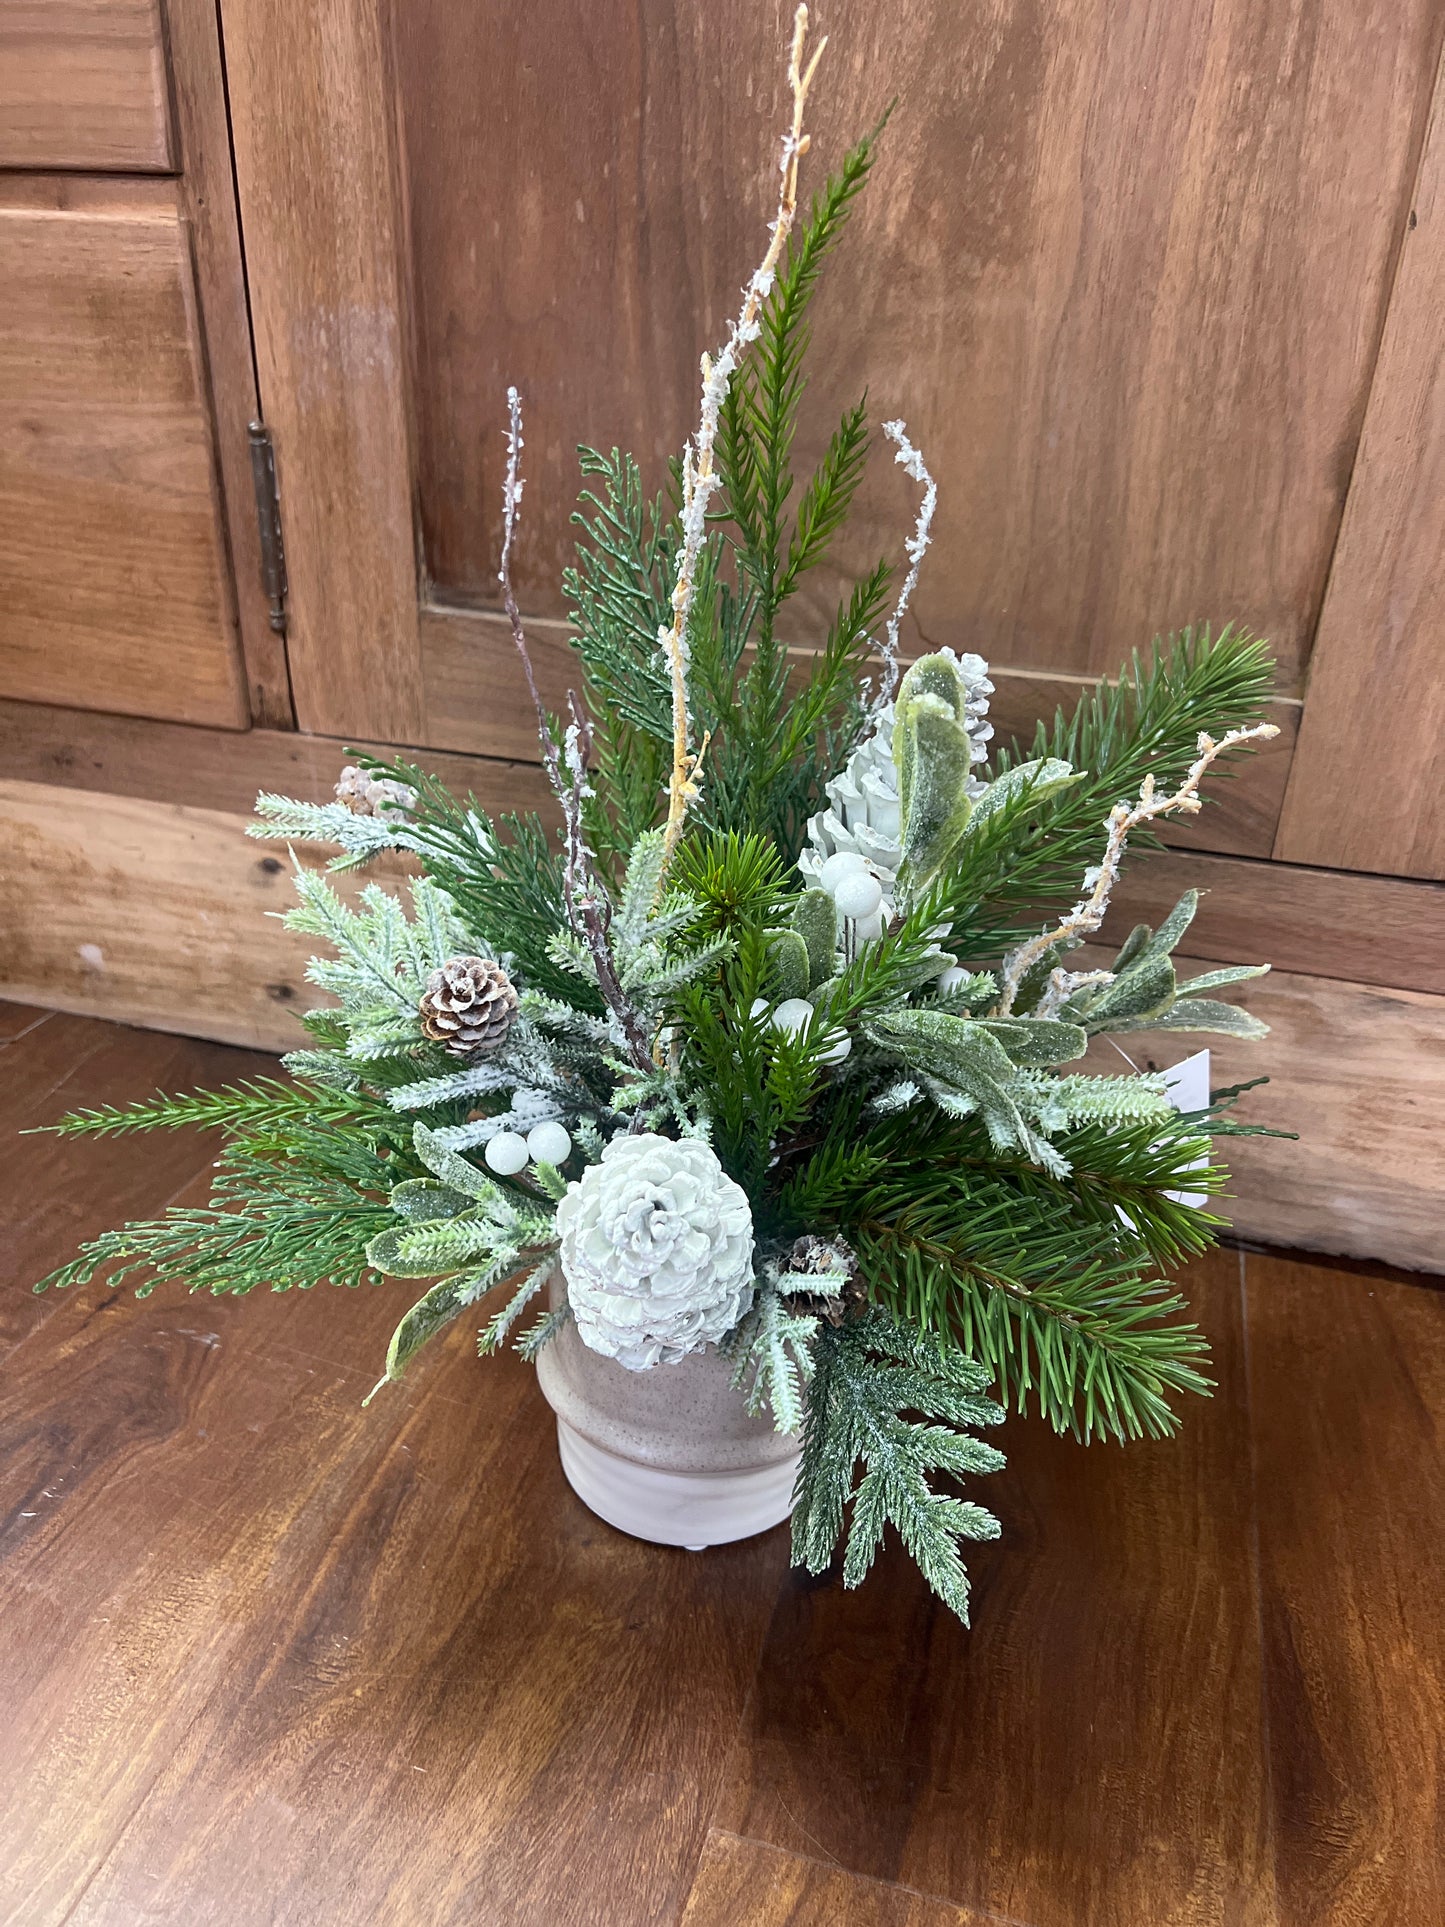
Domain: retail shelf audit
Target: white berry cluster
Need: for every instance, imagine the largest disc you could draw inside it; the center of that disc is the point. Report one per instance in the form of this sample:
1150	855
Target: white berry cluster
657	1251
508	1152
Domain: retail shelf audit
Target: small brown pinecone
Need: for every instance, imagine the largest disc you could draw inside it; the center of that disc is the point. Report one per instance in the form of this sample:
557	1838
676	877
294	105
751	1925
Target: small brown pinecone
368	795
819	1255
468	1005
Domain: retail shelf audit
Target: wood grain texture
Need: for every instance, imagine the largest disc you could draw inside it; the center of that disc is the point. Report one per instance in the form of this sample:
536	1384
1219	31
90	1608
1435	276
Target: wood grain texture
71	1063
218	769
1098	270
112	565
321	216
1094	1749
272	1643
1358	1072
741	1880
150	912
1368	789
83	85
1348	1395
273	1659
1314	923
208	200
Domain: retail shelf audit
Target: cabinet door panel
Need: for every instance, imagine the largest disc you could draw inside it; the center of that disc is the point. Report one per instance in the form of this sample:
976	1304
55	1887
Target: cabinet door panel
83	84
113	587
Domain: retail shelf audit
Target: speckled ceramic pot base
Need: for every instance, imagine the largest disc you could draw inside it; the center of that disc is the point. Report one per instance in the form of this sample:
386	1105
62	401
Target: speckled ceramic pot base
669	1455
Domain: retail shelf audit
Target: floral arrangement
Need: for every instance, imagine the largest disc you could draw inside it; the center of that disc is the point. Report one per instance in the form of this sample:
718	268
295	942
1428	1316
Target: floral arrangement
778	1051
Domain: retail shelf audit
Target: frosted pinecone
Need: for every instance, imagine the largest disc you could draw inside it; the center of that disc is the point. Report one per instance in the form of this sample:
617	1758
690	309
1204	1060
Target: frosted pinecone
862	814
468	1005
657	1251
368	795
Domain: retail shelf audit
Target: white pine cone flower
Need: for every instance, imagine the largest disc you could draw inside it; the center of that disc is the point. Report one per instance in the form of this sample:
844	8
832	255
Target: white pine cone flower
657	1251
862	814
368	795
468	1005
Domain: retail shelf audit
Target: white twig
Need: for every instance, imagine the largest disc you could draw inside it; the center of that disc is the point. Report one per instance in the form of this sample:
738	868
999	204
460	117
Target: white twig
911	461
589	910
1087	915
699	476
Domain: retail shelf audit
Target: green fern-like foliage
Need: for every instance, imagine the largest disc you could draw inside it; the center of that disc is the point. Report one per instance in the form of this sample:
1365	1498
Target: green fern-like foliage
903	1408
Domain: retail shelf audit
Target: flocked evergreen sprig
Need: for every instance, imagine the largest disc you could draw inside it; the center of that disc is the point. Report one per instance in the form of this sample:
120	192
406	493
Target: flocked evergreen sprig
807	950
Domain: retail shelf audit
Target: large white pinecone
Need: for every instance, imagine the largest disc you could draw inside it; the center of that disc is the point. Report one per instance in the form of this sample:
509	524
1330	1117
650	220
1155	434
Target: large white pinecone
657	1251
862	814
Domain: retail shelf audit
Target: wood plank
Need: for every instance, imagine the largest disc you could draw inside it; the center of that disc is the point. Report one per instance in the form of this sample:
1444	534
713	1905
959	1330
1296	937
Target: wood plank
1093	1749
220	769
112	566
1097	270
311	132
149	912
1359	1073
83	85
477	701
208	199
299	1637
1376	705
743	1880
1347	1379
1316	923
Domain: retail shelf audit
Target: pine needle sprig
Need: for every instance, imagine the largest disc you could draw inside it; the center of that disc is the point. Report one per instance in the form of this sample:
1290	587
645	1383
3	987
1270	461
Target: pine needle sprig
868	1373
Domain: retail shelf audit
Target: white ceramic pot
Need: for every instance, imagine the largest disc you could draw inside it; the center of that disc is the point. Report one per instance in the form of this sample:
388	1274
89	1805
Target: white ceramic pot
669	1455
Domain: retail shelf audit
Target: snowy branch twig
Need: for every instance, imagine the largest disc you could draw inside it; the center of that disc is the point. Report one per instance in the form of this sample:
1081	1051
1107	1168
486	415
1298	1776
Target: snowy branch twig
699	477
1087	915
589	910
911	461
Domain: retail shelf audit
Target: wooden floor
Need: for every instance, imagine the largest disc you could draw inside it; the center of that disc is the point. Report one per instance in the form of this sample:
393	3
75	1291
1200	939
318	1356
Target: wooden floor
270	1658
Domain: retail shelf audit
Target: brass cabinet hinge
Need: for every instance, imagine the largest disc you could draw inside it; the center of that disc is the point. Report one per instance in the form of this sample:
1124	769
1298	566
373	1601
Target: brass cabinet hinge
268	520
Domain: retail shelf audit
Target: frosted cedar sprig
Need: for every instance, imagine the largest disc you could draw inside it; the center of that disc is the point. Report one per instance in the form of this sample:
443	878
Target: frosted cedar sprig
589	909
911	462
699	475
1087	915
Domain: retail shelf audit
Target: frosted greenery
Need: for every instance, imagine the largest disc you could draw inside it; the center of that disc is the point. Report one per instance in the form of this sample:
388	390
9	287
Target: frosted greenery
812	928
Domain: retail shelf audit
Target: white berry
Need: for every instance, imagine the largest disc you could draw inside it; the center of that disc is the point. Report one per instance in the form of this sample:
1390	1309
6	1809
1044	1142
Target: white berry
950	979
793	1014
549	1143
760	1007
507	1153
844	863
858	895
840	1043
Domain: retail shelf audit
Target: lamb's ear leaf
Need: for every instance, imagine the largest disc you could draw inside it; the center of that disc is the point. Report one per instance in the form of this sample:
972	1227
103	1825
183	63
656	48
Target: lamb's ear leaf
1146	989
1026	786
1036	1043
935	759
1166	938
450	1166
1218	979
420	1200
1136	941
816	922
789	965
1201	1013
433	1310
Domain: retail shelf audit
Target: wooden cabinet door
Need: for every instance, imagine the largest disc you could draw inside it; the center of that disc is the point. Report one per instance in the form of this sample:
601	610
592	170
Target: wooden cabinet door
125	372
1124	270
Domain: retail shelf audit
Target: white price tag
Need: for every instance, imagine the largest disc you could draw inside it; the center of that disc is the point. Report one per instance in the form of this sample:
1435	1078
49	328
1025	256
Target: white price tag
1188	1087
